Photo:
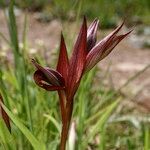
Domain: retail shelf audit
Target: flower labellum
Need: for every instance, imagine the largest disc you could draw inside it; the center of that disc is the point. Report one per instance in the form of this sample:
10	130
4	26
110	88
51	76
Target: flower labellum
47	78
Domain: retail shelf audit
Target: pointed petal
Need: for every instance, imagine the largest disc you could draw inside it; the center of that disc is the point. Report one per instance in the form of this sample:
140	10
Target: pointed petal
48	73
77	60
113	44
42	81
93	27
112	34
4	115
103	48
91	34
63	62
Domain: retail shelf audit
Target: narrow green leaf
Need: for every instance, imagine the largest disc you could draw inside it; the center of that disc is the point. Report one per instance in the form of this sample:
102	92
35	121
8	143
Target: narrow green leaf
146	138
5	136
34	142
13	28
54	121
102	121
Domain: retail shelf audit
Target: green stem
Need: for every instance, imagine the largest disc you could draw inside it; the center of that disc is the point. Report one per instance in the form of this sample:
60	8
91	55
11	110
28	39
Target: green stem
81	119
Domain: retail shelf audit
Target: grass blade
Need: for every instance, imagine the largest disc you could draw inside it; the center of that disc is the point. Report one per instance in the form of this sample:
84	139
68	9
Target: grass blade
102	121
34	142
146	138
6	137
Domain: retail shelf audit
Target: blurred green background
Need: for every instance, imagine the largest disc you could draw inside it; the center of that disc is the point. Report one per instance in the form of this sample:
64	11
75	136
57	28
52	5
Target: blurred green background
108	11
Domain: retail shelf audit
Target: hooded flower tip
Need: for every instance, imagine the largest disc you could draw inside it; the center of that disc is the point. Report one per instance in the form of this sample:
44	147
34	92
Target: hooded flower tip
91	34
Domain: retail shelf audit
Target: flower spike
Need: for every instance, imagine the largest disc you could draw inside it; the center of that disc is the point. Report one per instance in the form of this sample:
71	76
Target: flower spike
66	79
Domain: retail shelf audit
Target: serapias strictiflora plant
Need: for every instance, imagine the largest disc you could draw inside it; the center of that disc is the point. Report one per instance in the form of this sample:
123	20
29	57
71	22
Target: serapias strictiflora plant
3	114
67	76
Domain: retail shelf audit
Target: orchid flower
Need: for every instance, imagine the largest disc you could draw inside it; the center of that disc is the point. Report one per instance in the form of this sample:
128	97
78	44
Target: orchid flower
66	79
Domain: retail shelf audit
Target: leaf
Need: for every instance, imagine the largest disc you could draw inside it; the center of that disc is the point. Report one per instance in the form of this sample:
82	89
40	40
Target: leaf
146	137
4	115
13	28
37	145
13	33
102	121
54	121
5	136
